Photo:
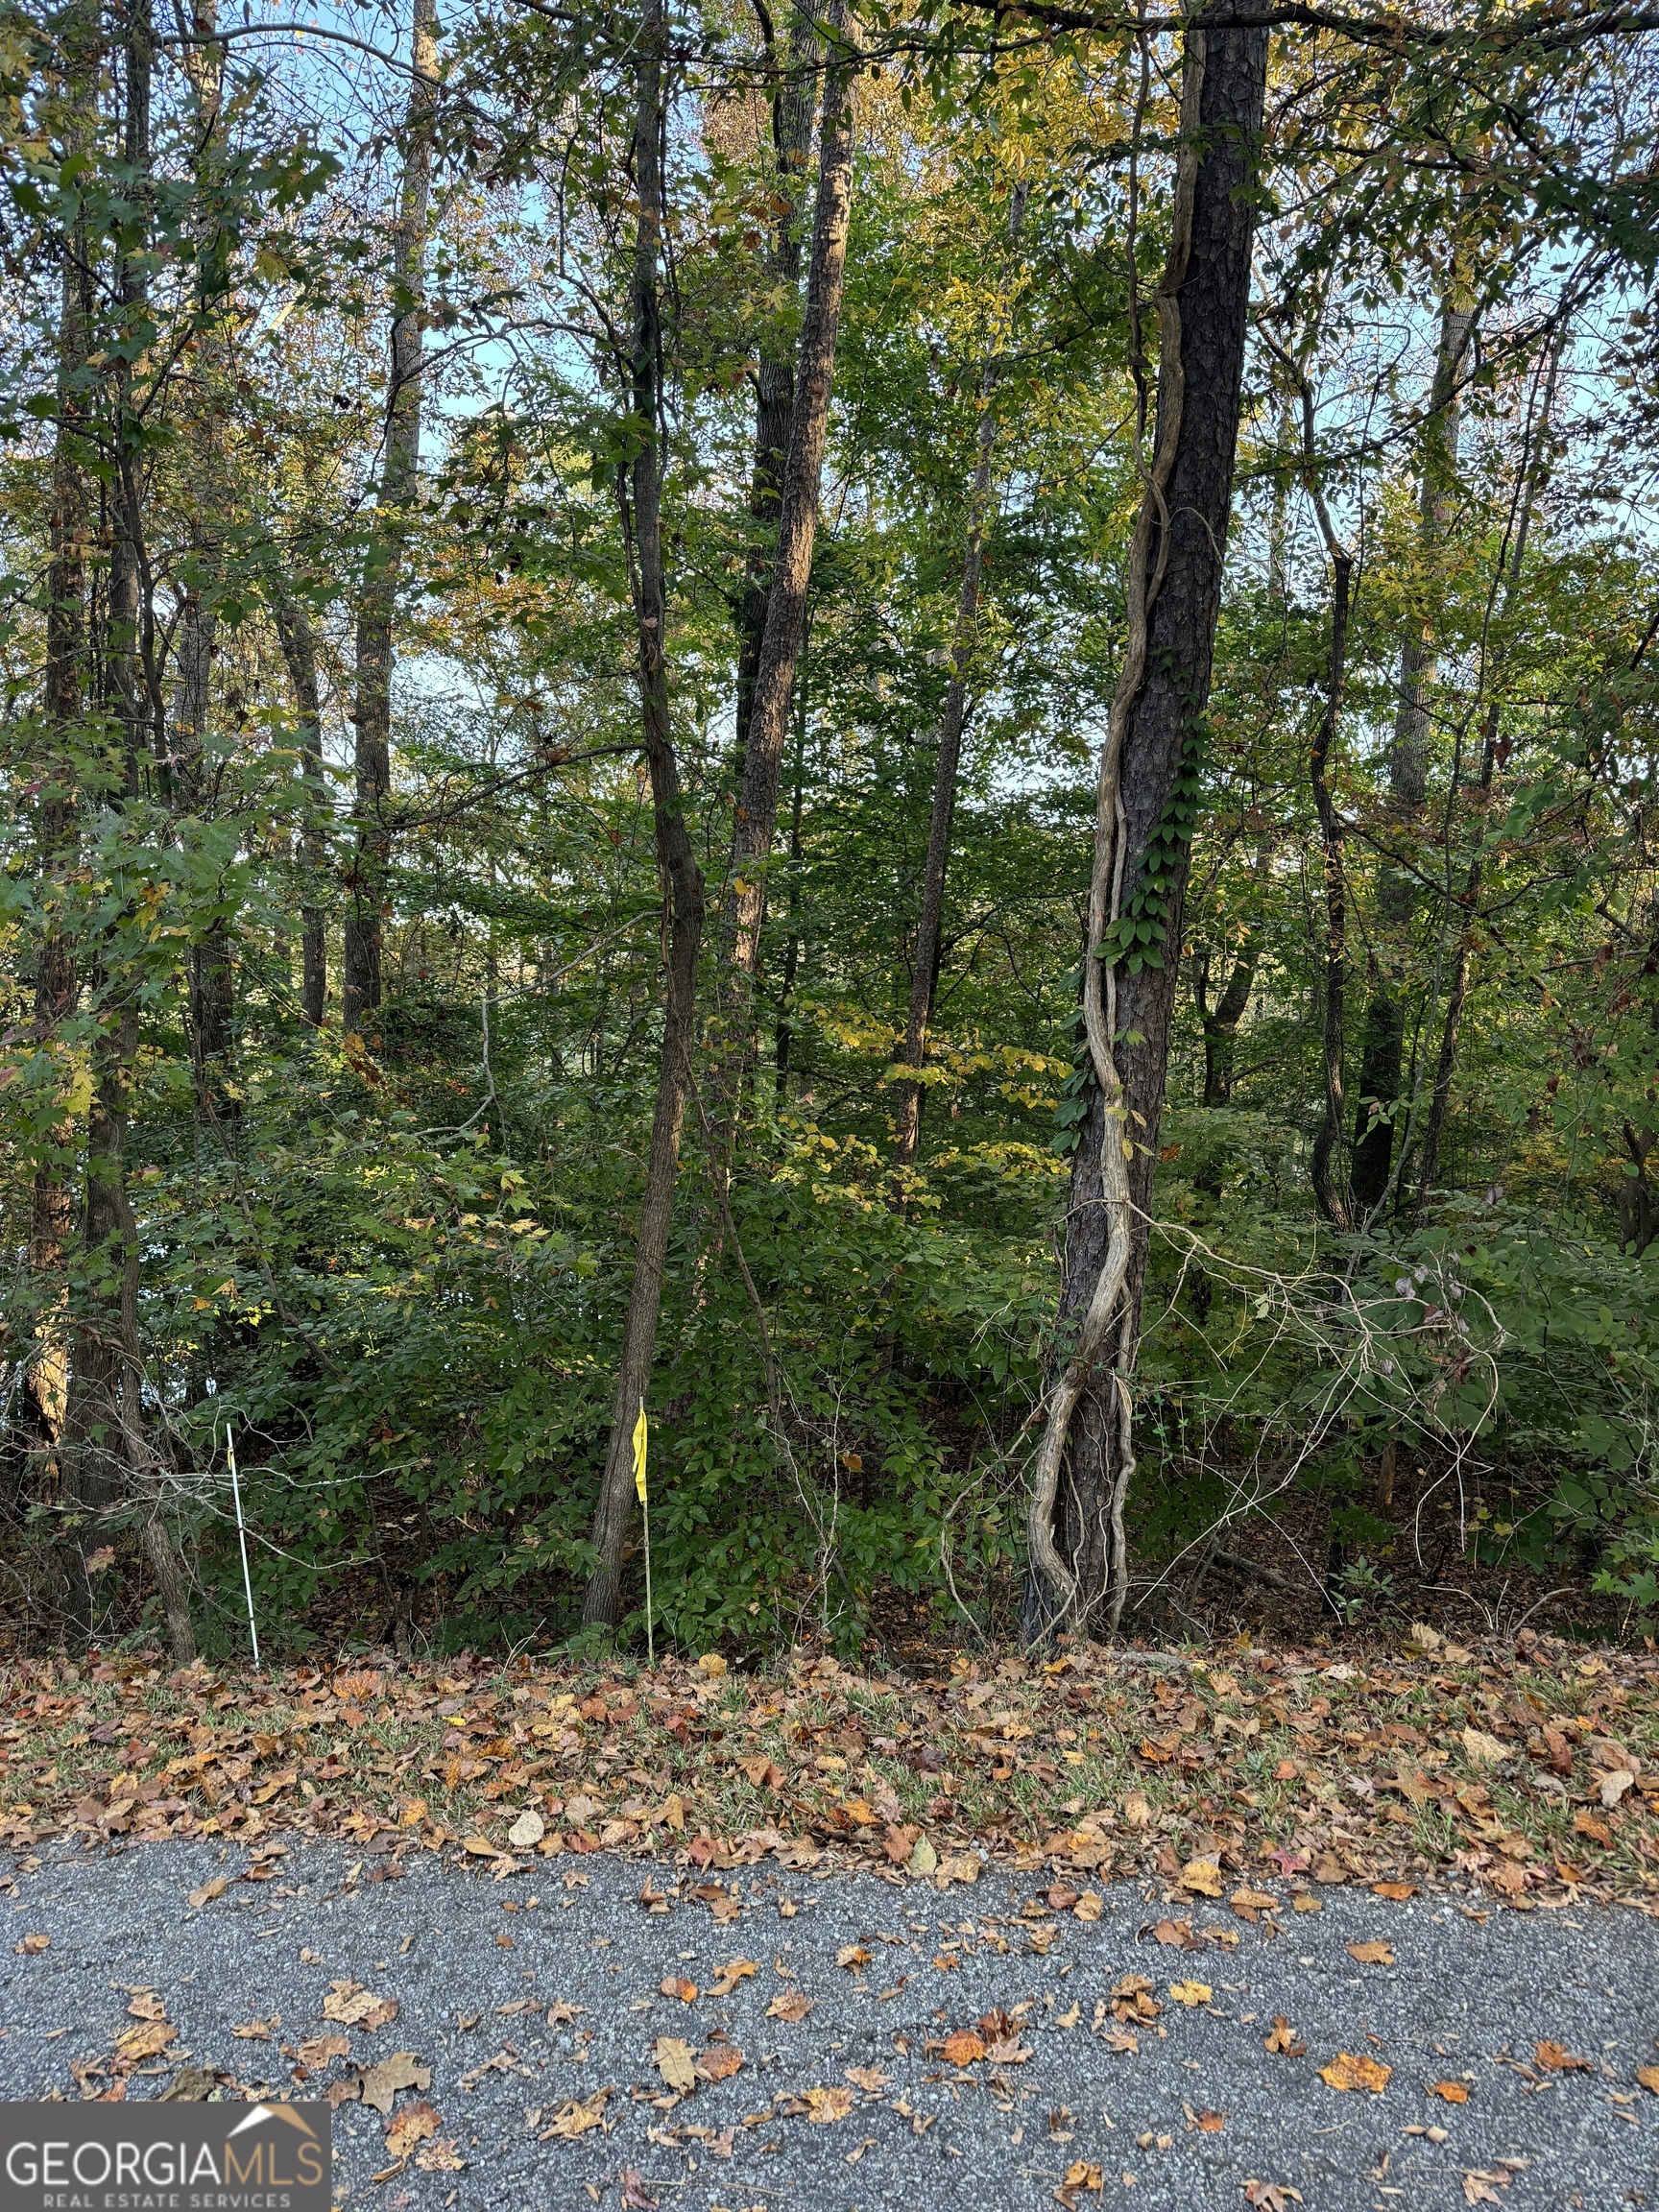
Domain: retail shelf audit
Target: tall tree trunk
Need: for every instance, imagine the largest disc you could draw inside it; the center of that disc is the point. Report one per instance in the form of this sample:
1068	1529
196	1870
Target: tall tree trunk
1077	1574
768	728
106	1460
642	497
794	104
56	976
212	972
399	482
929	921
1332	1191
1220	1023
1398	891
1534	468
299	653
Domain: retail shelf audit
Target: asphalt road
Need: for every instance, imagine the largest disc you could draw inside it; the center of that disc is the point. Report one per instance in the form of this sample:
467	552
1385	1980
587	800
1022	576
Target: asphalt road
1193	2114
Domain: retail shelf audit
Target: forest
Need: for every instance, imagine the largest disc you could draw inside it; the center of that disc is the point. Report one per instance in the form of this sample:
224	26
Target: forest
878	773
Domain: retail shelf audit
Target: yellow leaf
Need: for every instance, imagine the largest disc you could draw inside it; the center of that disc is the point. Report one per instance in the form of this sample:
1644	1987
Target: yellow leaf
824	2105
727	1977
676	2062
1190	1992
1351	2071
1203	1876
576	2118
1377	1953
1454	2092
963	2048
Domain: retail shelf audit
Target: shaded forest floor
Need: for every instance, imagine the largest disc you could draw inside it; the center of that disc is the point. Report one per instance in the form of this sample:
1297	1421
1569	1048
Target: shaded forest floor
1528	1770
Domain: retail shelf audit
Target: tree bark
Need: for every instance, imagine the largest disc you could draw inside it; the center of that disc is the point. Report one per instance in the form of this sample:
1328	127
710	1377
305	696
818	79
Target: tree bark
1221	1024
1398	888
1077	1576
640	496
794	104
299	653
756	818
398	483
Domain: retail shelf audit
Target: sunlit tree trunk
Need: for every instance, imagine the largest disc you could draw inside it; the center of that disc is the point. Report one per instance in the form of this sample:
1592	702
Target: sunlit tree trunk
299	653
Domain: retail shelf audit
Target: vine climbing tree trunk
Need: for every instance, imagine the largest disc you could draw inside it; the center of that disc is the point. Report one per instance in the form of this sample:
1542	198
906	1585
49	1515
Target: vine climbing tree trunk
642	500
1079	1548
399	480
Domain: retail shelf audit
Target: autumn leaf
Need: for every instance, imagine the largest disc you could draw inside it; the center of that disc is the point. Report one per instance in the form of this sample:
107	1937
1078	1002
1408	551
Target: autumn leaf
675	1985
1271	2196
871	2079
145	2005
1376	1952
719	2063
854	1957
253	2031
527	1831
1089	1906
1613	1785
1252	1901
790	2005
1396	1892
409	2127
636	2196
1348	2071
356	2006
577	2117
32	1946
146	2040
1176	1936
1453	2092
1283	2040
676	2061
1483	1749
824	2105
316	2050
380	2082
963	2048
1558	2059
208	1893
1481	2188
1206	2122
762	1772
727	1977
1648	2077
1190	1992
1202	1876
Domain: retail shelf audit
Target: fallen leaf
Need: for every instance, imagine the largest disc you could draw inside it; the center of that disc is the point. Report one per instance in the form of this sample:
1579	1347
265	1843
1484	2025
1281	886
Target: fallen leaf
527	1831
1202	1876
1283	2040
853	1956
318	2051
1190	1992
960	1866
1176	1936
823	2105
1206	2122
676	1985
146	2040
356	2006
1305	1901
208	1893
1007	2050
1454	2092
923	1859
32	1946
677	2062
253	2031
727	1977
145	2005
719	2063
1648	2077
1559	2060
1346	2071
1396	1892
712	1665
791	2005
963	2048
873	2080
1612	1785
1271	2196
1138	1810
1377	1952
1089	1906
1585	1823
1483	1749
673	1813
577	2117
636	2196
1252	1901
1080	2175
412	2126
1480	2188
380	2082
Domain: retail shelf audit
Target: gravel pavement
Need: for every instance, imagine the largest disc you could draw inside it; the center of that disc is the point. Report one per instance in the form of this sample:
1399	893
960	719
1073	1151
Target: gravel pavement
1191	2116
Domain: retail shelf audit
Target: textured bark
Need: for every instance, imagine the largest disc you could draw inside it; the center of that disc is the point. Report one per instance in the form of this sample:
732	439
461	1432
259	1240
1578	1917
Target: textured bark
794	104
756	819
399	482
675	859
1078	1553
1332	1191
1399	891
299	653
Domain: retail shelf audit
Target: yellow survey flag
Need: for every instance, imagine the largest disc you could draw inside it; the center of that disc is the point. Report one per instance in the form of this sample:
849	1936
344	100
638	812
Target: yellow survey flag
639	1434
